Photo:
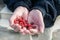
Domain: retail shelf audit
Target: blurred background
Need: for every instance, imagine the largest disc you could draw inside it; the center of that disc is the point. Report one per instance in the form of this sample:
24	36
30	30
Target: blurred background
1	4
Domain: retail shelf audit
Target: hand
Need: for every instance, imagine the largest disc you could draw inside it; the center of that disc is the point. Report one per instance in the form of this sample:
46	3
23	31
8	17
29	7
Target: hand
22	12
35	17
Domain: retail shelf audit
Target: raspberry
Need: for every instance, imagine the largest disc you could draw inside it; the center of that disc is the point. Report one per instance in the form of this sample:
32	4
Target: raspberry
16	21
23	23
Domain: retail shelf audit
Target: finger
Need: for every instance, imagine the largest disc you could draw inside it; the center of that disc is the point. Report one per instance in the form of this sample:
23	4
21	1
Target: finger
22	32
27	32
34	31
41	29
11	24
12	19
16	28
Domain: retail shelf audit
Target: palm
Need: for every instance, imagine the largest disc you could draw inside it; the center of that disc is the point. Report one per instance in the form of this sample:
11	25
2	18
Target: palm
36	18
18	13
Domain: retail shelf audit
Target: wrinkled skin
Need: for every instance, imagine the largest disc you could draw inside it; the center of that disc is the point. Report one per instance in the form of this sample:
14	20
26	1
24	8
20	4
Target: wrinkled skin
20	11
34	16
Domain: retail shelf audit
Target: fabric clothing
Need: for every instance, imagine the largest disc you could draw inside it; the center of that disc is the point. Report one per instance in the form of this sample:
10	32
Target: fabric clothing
50	8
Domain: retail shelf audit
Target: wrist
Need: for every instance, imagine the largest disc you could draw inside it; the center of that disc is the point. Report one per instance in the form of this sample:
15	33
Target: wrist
37	11
20	9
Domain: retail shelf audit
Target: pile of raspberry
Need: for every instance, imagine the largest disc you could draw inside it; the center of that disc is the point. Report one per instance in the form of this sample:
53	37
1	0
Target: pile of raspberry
23	23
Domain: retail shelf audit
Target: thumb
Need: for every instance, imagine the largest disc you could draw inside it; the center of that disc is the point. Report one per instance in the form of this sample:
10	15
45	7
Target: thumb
11	21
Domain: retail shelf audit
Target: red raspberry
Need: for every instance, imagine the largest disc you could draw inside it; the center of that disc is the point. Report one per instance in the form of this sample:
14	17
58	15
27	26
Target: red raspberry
16	21
23	23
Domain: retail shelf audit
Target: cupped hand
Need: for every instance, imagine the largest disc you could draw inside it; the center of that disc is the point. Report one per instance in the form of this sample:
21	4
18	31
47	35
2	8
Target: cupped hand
19	12
35	17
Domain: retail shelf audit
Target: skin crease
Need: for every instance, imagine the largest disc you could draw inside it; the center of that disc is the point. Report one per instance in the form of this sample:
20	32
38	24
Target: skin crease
34	16
20	11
